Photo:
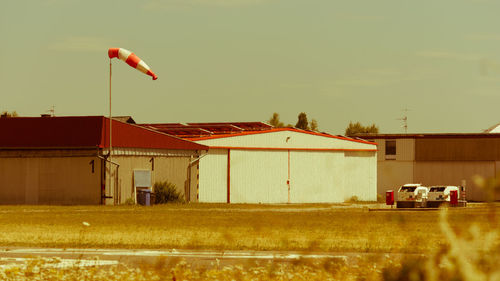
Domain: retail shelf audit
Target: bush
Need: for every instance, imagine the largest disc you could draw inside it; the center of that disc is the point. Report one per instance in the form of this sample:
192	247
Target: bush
166	192
129	201
353	199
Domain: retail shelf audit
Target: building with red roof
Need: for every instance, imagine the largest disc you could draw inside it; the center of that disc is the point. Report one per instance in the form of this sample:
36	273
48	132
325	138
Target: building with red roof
66	160
252	162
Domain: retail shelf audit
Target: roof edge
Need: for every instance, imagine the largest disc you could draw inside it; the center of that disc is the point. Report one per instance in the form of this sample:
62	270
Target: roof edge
279	130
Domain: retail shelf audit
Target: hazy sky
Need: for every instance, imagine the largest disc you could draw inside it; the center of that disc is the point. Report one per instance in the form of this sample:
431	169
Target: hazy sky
242	60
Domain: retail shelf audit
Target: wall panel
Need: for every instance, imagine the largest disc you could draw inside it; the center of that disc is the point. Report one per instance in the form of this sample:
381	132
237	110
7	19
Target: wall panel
259	176
213	176
360	172
452	173
317	176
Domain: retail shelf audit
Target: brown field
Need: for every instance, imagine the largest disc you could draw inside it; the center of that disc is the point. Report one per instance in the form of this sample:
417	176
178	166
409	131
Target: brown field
317	227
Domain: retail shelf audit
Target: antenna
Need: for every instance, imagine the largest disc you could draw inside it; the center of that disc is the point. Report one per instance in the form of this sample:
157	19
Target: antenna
405	120
52	111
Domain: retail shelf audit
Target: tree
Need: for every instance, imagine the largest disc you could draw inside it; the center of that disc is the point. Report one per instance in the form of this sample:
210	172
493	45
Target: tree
275	121
302	122
314	125
356	128
9	114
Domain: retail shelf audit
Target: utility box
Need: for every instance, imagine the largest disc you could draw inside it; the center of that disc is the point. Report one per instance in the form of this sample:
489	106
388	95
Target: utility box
454	197
389	197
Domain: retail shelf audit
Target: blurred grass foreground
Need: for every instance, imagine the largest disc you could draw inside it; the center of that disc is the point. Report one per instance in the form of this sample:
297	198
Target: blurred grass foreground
448	244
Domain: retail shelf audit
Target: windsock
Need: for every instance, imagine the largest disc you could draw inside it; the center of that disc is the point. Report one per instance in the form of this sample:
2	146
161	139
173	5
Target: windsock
132	60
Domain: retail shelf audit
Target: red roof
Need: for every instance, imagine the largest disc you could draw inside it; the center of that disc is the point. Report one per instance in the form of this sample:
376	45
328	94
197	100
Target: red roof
83	132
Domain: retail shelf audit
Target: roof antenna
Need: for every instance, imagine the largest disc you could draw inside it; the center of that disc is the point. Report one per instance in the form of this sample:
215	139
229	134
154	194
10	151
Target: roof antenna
52	111
405	120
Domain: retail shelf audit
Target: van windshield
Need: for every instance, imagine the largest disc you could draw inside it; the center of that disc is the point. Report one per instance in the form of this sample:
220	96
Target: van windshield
407	188
437	189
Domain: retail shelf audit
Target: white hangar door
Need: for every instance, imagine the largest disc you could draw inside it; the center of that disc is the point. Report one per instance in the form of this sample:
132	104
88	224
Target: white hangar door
360	175
316	176
258	176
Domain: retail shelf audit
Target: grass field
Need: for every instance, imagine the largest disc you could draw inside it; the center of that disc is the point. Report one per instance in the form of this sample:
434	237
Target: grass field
461	244
318	227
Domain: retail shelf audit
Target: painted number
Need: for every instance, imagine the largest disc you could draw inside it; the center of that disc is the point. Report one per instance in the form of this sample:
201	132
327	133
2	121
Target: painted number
92	163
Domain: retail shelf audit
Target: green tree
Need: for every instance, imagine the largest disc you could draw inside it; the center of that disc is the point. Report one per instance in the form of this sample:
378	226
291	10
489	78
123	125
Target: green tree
356	128
9	114
314	125
275	121
302	122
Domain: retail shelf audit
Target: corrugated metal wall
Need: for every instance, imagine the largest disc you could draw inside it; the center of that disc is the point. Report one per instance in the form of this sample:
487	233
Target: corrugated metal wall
360	175
259	176
50	180
457	149
405	149
213	176
317	176
174	169
453	172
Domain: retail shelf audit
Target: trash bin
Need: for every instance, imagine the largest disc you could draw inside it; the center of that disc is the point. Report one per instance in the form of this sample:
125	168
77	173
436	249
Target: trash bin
454	197
389	197
144	197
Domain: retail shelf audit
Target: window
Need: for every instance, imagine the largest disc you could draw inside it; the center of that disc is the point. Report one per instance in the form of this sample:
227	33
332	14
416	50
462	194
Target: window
390	149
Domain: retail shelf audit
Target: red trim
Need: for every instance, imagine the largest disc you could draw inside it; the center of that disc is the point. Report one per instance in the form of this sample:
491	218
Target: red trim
279	130
229	176
291	149
133	60
150	73
113	52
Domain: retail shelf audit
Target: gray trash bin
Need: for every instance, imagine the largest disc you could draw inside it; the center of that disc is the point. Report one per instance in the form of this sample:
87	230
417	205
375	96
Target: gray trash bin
144	197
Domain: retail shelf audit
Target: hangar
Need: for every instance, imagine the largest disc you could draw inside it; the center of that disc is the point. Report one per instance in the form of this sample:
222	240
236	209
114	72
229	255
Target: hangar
65	160
252	162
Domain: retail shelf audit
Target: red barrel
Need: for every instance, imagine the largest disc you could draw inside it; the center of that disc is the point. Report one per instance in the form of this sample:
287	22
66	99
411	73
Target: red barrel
389	197
453	197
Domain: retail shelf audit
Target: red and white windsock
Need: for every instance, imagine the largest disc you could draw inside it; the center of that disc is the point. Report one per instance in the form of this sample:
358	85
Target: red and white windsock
132	60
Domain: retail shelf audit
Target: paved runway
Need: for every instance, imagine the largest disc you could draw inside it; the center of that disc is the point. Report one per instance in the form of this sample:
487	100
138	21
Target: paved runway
87	257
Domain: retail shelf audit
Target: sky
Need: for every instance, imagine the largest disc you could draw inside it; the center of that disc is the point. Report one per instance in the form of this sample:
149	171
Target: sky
435	61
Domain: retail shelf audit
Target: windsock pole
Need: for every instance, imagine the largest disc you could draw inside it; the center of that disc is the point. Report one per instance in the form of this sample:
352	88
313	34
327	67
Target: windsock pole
110	130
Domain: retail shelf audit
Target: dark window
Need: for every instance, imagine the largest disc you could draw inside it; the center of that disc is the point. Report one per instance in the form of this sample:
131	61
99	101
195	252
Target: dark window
390	149
407	189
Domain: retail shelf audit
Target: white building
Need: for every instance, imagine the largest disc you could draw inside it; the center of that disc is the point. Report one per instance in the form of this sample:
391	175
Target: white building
286	165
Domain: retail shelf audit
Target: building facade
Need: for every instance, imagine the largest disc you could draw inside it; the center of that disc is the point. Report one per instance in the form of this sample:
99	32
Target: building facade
66	160
438	159
286	166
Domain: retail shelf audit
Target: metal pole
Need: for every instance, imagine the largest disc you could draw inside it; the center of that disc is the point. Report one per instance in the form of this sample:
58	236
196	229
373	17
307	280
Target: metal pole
110	128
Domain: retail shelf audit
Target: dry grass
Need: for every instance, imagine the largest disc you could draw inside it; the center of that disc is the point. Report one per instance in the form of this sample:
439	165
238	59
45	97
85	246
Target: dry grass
461	244
43	269
318	227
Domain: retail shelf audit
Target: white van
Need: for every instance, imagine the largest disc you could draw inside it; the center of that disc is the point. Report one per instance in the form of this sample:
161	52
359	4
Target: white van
441	194
412	195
